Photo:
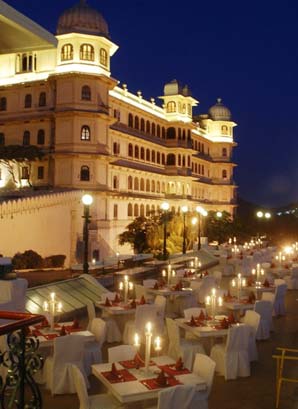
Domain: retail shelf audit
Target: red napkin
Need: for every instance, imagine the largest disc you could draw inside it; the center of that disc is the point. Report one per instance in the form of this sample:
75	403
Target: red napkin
142	300
117	298
202	316
224	324
114	370
133	304
206	273
161	379
179	364
231	318
155	286
273	265
45	323
192	321
266	283
178	286
138	360
63	331
251	298
75	324
108	303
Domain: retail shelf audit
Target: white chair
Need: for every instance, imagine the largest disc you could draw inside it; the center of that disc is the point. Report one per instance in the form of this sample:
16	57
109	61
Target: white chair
252	319
292	279
102	400
140	291
181	347
149	283
232	358
68	351
205	368
91	314
279	303
264	308
121	353
179	397
113	333
92	353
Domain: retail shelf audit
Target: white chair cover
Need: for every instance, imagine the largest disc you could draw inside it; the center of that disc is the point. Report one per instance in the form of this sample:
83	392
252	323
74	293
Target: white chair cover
13	294
205	368
121	353
180	347
160	301
292	279
68	351
217	276
207	284
252	319
264	308
113	332
91	314
92	353
179	397
279	303
232	358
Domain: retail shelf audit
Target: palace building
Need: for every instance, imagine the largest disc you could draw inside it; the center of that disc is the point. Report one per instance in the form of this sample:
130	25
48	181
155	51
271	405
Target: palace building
58	93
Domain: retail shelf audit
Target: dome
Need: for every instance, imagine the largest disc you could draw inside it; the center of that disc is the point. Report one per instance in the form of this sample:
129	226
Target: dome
219	112
81	18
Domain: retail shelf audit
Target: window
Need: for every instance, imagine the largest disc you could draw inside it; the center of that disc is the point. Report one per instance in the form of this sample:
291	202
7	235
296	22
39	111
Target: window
85	133
40	172
153	156
142	185
224	174
171	160
115	212
26	62
171	106
147	185
142	153
40	137
152	186
86	93
148	155
67	52
85	174
116	148
171	133
158	131
224	152
136	184
130	120
24	172
147	210
42	99
3	104
163	159
179	160
147	126
142	125
158	187
158	157
153	129
103	57
130	150
136	210
87	52
163	132
115	182
136	152
224	129
129	183
136	122
26	138
142	210
129	210
2	138
28	101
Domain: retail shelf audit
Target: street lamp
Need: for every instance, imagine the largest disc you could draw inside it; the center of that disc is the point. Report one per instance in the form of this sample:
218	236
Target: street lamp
263	215
201	212
184	211
219	215
87	201
165	207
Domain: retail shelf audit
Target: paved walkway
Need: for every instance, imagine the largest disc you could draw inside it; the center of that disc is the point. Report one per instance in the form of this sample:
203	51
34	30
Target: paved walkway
254	392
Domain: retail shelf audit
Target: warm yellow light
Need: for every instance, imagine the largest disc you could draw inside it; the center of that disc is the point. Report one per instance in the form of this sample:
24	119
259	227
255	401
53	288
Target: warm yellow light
165	206
260	214
219	214
87	200
288	250
267	215
194	221
184	209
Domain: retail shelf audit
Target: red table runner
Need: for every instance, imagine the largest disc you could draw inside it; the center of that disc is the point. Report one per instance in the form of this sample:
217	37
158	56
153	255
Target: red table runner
122	375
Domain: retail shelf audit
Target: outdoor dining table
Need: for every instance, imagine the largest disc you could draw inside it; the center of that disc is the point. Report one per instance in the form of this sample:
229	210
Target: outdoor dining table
206	330
169	291
259	290
134	385
116	308
238	306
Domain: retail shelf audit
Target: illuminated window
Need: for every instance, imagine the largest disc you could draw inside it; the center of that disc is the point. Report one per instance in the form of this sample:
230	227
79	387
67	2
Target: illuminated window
26	138
85	174
85	133
2	138
40	172
103	57
67	52
86	93
87	52
42	99
28	101
24	172
26	62
40	137
3	104
171	106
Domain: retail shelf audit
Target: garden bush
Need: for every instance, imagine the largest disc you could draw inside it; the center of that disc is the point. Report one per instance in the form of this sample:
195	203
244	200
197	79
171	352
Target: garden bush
31	259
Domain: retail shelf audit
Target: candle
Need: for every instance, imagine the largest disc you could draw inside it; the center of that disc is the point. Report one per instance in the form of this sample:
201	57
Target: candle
164	273
59	307
131	286
93	261
137	340
121	286
52	295
148	336
45	306
157	344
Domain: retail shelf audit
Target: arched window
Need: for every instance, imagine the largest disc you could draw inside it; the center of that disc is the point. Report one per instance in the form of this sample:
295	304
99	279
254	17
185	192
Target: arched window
42	102
136	210
152	186
158	131
153	129
87	52
224	152
136	152
163	187
40	137
224	129
142	210
86	93
85	133
188	161
153	156
142	156
179	133
148	155
137	122
2	138
28	101
158	157
147	126
224	174
130	150
163	159
116	148
171	106
142	185
103	57
152	209
130	120
85	173
188	135
115	182
142	125
147	210
183	108
129	183
129	210
3	104
171	160
147	185
158	187
183	134
171	133
67	52
136	184
163	132
26	138
183	161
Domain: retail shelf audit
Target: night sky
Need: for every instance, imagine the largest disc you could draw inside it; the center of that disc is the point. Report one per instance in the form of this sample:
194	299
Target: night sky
244	52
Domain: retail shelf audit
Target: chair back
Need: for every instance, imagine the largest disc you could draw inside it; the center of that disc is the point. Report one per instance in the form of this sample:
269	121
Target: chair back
99	329
81	388
121	353
178	397
264	308
280	291
148	313
108	294
268	297
139	291
149	283
194	311
238	338
205	368
173	331
279	281
252	319
160	301
91	313
68	349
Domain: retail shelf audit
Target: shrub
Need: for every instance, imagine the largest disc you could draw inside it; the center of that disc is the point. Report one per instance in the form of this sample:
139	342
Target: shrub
28	259
54	261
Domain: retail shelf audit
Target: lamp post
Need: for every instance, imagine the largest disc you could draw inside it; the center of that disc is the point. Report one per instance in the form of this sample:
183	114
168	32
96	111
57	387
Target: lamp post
87	201
263	215
165	207
201	212
184	211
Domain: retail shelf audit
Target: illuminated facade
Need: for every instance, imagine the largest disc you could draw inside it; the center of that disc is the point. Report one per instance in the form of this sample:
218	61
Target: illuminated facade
130	153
